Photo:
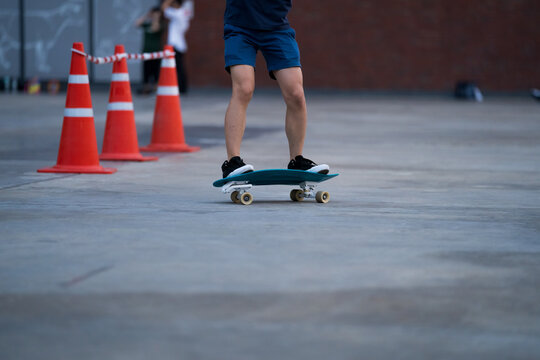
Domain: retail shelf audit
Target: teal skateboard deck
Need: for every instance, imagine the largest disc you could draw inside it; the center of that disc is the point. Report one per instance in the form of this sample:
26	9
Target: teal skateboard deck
239	185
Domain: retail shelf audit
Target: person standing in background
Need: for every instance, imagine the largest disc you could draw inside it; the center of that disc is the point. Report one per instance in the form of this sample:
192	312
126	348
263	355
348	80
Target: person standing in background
152	25
179	13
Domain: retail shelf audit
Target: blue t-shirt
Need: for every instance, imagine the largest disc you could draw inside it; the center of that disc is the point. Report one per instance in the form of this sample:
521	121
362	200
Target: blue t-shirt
258	14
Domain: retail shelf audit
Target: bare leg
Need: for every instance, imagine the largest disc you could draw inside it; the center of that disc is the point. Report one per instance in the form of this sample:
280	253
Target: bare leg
291	83
243	85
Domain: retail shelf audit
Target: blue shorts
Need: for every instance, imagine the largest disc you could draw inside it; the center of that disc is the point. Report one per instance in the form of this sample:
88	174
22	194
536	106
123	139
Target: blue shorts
278	47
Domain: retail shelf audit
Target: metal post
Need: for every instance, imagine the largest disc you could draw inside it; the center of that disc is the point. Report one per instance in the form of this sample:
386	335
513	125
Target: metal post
22	43
91	37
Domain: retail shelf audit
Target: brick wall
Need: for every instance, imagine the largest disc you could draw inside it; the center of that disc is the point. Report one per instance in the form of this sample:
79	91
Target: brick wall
392	44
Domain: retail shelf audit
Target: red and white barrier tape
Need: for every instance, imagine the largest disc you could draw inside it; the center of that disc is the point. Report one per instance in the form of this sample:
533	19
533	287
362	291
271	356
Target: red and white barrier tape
118	57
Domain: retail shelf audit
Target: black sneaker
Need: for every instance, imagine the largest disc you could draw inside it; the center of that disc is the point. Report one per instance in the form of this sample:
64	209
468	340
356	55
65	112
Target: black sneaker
301	163
235	166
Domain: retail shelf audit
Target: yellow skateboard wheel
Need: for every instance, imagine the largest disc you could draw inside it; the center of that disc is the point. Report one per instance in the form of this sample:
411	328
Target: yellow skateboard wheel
322	197
246	198
296	195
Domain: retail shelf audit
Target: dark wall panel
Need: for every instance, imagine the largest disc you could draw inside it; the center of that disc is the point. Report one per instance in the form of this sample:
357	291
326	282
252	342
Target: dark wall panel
51	27
9	38
115	24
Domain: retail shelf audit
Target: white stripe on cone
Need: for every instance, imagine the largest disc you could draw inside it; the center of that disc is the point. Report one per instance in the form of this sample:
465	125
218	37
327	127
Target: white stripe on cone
120	77
168	63
168	90
79	112
119	106
78	79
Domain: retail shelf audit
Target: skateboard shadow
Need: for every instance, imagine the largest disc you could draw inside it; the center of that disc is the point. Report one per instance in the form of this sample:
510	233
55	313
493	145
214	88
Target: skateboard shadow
270	202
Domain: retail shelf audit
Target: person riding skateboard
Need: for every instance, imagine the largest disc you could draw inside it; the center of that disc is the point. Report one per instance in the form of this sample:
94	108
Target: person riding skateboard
250	26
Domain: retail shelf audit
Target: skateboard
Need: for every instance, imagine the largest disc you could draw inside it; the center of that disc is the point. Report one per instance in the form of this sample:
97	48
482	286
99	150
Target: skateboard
239	185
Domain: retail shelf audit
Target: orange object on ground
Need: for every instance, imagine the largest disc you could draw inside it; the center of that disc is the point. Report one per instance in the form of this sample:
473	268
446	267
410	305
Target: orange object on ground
78	151
120	139
167	130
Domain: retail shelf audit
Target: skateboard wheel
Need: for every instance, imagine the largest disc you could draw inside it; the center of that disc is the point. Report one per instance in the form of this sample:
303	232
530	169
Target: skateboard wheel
235	197
322	197
246	198
296	195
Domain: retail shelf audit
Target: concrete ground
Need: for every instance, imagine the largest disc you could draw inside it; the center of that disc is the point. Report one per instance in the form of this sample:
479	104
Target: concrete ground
428	249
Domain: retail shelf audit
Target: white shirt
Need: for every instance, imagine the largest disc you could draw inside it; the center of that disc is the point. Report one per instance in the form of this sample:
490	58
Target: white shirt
179	24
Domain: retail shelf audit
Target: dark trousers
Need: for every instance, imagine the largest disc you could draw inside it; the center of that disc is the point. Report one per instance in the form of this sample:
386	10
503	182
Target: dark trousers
181	72
151	71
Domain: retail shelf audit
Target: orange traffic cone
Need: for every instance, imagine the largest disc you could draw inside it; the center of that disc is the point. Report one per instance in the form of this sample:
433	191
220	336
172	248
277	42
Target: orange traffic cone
78	151
167	130
120	140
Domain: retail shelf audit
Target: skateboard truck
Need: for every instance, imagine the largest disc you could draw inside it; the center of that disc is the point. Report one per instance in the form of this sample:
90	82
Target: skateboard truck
240	186
238	190
308	188
307	191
